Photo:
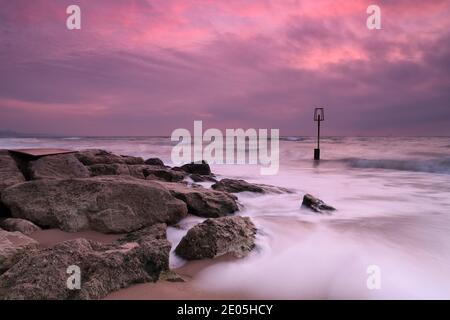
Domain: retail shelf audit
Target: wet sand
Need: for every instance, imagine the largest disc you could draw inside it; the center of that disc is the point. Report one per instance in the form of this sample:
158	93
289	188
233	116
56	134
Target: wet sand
167	290
48	238
189	289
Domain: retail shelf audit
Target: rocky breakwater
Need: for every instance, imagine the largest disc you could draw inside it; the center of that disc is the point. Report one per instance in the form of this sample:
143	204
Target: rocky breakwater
108	193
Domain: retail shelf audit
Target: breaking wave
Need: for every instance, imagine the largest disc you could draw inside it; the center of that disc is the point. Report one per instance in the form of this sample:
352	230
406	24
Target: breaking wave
430	166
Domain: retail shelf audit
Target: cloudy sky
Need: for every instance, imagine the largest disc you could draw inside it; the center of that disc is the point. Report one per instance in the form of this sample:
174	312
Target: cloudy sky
143	67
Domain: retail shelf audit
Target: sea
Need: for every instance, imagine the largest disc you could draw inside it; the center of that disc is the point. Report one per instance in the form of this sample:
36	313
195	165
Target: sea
388	239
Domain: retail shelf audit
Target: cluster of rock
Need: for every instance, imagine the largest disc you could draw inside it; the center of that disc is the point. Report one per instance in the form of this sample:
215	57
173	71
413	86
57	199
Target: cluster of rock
98	190
101	191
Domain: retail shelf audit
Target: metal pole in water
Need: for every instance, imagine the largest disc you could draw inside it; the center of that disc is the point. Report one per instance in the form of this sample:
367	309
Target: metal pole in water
319	115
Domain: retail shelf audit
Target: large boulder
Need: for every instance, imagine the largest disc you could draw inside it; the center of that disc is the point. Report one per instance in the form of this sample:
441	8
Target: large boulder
216	237
24	226
315	204
13	247
236	186
97	156
198	168
113	204
203	202
63	166
104	268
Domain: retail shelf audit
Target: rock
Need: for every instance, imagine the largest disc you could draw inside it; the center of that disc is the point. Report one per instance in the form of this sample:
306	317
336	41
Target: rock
97	156
163	174
232	185
13	247
198	168
156	173
104	268
155	162
137	171
235	186
199	178
132	160
109	169
171	276
9	172
24	226
10	175
216	237
315	204
204	202
112	204
63	166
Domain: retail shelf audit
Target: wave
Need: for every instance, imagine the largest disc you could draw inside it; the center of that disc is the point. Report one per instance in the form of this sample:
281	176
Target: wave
292	138
430	166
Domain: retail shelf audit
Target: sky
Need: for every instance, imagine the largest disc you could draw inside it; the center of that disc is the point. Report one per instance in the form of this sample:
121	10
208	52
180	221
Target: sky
144	67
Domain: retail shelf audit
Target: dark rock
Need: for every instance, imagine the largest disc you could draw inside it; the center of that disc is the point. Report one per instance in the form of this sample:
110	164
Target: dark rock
315	204
13	247
198	168
231	185
24	226
132	160
154	162
104	268
112	169
235	186
156	173
199	178
204	202
63	166
163	174
113	204
216	237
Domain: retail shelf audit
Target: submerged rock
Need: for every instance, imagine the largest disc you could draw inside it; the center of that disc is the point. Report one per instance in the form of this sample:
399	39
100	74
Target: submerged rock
204	202
113	204
103	268
235	186
315	204
24	226
13	247
63	166
216	237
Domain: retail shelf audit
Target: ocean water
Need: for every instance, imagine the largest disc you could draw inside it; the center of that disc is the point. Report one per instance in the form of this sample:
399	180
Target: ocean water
393	211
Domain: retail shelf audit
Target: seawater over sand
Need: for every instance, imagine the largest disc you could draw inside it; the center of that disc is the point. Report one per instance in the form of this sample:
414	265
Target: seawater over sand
393	201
